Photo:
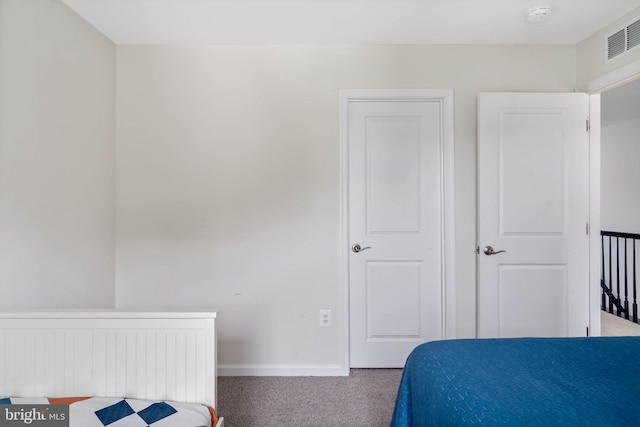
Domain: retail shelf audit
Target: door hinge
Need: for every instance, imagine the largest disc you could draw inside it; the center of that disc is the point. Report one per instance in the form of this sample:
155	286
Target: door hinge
588	127
586	228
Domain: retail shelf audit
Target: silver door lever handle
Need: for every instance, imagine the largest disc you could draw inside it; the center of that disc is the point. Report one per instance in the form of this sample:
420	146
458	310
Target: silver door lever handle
356	248
488	250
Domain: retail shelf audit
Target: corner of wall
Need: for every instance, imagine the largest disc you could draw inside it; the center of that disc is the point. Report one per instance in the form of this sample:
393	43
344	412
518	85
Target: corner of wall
590	54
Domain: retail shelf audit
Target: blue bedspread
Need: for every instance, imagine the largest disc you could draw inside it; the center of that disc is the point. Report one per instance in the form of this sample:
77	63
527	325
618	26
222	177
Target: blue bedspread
521	382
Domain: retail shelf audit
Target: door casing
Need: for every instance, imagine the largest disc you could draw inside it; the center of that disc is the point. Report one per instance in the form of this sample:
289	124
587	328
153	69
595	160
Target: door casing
445	97
594	88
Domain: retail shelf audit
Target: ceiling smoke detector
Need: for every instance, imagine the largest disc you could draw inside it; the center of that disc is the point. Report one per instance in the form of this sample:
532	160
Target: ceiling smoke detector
539	13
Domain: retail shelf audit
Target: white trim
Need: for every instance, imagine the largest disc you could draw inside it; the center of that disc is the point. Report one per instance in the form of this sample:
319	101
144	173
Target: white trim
344	227
282	371
107	313
594	216
614	79
449	219
594	88
447	191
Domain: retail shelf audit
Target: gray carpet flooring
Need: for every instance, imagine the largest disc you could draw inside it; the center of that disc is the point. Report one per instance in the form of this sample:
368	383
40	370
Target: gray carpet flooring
364	398
613	325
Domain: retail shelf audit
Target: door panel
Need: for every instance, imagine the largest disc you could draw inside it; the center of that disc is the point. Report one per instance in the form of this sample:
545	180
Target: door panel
524	290
533	203
395	286
393	174
531	162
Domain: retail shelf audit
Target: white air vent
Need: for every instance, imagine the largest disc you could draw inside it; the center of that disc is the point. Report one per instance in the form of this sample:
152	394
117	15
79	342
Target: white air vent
616	44
633	35
623	40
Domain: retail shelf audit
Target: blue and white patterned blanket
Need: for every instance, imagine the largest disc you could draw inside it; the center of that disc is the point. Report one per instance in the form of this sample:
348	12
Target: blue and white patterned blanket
119	412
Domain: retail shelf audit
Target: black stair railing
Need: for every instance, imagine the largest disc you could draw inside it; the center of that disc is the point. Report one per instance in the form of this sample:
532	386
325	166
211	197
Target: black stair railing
619	273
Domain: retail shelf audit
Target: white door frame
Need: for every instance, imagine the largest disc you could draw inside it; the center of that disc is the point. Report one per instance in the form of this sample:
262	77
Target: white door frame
445	97
594	88
594	215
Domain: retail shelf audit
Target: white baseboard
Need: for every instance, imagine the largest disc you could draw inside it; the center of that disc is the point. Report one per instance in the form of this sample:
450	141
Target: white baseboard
282	371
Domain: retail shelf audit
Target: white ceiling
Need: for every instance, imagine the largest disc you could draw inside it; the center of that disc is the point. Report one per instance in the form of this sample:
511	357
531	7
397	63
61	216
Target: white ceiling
346	21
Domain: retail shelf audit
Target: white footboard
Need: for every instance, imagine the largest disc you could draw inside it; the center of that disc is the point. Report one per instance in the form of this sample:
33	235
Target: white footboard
143	355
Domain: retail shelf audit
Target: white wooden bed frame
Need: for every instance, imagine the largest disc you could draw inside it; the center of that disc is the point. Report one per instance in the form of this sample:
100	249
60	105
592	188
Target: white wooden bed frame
109	353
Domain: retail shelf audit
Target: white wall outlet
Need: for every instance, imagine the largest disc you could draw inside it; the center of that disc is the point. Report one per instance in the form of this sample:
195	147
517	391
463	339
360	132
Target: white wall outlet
325	317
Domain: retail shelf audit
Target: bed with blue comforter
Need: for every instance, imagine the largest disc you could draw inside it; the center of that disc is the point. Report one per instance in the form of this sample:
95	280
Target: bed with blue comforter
521	382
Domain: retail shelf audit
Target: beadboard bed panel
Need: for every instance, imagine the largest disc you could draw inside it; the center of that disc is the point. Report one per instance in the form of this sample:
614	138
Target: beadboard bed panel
142	355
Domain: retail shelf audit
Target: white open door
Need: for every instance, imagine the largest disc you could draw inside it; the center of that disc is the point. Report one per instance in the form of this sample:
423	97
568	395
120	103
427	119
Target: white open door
396	284
533	204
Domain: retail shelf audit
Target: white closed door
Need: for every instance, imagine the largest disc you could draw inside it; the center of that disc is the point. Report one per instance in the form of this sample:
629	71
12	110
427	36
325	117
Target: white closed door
395	204
533	177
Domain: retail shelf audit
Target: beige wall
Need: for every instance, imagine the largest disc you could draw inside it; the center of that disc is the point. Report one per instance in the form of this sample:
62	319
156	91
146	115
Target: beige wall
57	137
227	171
590	52
228	178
